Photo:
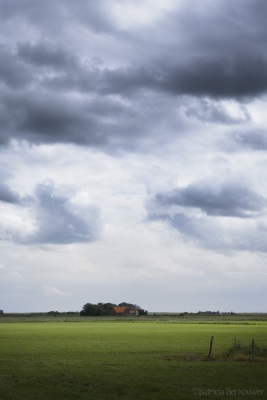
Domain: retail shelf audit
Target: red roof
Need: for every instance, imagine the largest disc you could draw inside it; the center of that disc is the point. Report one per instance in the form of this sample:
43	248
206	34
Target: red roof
119	310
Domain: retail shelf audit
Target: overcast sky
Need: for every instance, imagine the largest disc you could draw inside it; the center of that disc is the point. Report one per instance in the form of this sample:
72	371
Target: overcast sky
133	151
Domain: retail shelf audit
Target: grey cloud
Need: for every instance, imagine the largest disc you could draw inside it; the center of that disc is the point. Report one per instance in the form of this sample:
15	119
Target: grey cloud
215	77
94	15
210	233
56	15
184	58
255	140
108	122
229	199
51	93
49	118
128	79
219	77
201	230
223	48
210	111
44	54
60	222
8	195
39	65
232	62
12	72
219	217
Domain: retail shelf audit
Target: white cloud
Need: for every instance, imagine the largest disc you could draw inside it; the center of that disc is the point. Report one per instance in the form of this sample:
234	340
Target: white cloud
131	15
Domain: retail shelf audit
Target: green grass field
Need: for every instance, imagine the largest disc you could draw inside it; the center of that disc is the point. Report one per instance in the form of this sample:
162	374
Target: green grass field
128	359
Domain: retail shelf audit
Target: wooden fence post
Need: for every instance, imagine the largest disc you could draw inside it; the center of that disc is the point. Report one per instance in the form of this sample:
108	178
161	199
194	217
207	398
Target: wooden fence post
211	343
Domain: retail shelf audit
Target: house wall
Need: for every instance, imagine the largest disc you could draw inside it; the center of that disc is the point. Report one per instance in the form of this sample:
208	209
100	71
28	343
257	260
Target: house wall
131	312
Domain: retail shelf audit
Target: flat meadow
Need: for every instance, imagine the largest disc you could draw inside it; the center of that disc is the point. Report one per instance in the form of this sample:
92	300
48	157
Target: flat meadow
122	358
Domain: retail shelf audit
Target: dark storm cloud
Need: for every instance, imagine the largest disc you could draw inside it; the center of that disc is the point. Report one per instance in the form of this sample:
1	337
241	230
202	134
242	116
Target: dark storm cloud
107	121
50	83
13	73
218	77
8	195
235	77
229	199
210	50
220	50
52	117
44	54
58	221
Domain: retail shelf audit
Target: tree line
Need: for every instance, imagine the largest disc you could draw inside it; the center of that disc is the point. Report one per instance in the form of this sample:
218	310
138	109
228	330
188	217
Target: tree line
99	309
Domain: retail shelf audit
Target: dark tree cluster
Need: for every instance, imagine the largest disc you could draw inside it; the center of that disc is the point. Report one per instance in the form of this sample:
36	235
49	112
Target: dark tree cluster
97	309
105	308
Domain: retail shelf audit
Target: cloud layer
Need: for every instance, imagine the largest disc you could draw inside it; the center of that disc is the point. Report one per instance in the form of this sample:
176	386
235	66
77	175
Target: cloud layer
53	90
132	153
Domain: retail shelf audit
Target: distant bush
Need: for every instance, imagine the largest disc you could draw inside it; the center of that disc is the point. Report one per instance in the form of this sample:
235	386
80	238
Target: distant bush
251	349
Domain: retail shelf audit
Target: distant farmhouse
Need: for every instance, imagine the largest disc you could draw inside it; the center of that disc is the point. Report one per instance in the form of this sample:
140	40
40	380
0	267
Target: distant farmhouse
125	311
122	309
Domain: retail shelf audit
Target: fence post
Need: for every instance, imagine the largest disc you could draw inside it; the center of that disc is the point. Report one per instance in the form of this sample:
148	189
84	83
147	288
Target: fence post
253	348
211	344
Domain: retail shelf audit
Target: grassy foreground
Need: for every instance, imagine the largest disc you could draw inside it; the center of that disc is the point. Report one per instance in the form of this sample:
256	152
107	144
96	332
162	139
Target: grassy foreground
128	360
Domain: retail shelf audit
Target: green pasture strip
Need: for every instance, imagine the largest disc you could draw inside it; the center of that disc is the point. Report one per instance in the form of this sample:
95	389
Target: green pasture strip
180	318
129	360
